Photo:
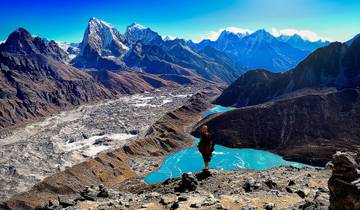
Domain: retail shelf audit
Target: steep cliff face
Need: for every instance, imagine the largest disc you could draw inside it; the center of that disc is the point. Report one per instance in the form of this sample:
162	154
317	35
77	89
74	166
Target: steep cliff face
307	129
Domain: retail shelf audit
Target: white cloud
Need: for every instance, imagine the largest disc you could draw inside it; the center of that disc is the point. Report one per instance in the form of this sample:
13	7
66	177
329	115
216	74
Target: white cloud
305	34
213	35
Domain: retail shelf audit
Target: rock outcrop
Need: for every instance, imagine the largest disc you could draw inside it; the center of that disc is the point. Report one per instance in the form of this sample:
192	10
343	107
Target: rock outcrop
308	129
344	184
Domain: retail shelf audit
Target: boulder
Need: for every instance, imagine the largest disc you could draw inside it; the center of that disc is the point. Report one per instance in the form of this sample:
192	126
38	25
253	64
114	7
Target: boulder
188	183
344	182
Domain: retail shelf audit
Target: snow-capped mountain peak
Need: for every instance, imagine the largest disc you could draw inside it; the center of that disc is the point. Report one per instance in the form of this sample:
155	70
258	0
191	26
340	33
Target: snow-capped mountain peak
261	36
136	32
135	26
230	34
99	35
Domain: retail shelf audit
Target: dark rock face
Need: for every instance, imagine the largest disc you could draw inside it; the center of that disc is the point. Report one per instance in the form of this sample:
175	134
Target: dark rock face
21	42
344	184
308	129
336	65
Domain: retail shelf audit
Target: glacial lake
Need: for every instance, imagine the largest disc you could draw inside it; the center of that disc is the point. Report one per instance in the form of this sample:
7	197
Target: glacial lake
189	160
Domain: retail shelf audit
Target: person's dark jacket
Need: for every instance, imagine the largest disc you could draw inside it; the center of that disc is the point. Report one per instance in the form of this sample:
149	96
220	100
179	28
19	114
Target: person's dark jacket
206	145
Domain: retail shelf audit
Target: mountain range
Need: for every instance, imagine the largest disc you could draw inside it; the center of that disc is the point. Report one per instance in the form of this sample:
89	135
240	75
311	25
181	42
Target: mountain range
103	47
336	65
263	50
141	49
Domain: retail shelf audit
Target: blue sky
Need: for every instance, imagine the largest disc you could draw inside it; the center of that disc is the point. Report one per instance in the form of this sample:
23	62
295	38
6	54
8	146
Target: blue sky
191	19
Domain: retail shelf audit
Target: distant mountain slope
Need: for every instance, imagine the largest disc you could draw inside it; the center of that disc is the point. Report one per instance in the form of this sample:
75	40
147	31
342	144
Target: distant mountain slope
297	41
130	82
35	82
261	49
349	42
336	65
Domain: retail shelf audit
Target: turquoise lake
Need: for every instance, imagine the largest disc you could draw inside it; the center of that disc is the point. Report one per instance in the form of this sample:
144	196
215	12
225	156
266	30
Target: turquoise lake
190	160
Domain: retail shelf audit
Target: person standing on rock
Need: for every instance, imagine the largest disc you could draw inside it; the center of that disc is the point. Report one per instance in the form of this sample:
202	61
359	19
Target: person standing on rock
206	146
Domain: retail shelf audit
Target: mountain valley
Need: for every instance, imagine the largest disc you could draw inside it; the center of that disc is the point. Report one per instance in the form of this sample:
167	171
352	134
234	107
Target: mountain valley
83	124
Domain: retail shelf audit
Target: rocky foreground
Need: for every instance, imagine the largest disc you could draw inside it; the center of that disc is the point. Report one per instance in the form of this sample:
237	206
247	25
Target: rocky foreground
278	188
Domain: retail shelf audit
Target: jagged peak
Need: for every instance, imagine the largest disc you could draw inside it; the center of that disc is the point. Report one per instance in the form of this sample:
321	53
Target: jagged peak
93	21
135	26
261	31
262	34
19	40
226	32
20	33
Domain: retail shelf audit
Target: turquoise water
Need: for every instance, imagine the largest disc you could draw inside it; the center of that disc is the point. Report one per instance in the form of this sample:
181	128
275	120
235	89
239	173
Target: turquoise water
217	109
190	159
